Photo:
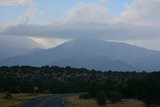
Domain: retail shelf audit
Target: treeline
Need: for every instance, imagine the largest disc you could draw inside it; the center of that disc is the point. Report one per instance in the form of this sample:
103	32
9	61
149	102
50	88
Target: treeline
140	85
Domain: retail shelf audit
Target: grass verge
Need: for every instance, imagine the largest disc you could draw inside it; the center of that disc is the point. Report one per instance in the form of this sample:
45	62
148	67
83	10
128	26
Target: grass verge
74	101
17	99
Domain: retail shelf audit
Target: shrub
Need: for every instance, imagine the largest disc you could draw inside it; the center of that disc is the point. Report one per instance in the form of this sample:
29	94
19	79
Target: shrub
114	96
101	98
84	96
8	95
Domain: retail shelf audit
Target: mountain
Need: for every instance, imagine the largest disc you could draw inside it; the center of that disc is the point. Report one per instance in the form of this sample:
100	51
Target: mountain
97	62
92	54
9	51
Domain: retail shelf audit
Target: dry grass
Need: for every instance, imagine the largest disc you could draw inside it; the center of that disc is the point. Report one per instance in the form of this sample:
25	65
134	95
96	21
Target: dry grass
17	99
74	101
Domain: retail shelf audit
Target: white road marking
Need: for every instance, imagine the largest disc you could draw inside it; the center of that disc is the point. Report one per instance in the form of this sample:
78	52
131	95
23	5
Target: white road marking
63	102
44	101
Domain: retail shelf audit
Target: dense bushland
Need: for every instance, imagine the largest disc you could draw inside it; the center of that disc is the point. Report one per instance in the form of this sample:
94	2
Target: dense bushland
140	85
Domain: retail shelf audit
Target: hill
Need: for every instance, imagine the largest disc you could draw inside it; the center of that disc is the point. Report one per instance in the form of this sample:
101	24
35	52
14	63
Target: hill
92	54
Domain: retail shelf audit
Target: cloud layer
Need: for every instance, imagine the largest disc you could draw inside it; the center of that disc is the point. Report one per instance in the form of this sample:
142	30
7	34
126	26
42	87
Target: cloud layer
85	30
142	12
139	21
30	13
13	2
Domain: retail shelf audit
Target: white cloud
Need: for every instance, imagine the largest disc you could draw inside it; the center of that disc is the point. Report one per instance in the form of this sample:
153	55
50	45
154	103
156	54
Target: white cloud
84	13
13	2
152	44
16	42
46	42
142	12
30	5
140	20
3	26
30	42
29	14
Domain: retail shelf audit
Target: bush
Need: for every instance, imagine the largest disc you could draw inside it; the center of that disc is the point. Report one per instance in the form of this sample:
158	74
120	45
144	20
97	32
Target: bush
114	96
84	96
101	98
8	95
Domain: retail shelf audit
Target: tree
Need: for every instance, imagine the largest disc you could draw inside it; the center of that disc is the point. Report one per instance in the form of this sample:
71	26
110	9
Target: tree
36	89
84	96
8	95
101	98
149	90
114	96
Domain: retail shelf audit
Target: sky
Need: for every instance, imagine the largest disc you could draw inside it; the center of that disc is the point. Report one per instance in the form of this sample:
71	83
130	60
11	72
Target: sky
48	23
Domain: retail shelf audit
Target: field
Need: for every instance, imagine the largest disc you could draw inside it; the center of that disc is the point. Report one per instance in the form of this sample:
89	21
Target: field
74	101
17	99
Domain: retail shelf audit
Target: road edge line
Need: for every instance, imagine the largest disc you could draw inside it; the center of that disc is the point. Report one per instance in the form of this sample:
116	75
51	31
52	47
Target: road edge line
63	102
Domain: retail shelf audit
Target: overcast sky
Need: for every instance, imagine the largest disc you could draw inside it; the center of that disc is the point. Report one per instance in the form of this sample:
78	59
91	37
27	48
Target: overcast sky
47	23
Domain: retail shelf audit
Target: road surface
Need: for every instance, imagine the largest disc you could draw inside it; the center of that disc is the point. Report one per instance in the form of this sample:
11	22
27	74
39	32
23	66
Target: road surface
47	101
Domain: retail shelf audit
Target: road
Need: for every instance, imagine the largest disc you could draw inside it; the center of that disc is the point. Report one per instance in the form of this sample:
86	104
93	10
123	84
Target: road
47	101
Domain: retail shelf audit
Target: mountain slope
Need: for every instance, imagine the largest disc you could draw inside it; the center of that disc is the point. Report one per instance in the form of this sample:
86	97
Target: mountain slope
97	62
9	51
92	54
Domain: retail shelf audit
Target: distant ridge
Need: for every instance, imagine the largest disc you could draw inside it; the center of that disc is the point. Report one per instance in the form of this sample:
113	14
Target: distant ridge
92	54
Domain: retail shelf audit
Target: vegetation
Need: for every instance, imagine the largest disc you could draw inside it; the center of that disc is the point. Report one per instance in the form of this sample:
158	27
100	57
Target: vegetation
26	79
17	99
74	101
101	98
115	96
84	96
8	95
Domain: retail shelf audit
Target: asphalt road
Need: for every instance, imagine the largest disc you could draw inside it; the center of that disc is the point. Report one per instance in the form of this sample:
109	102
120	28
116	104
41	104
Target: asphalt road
47	101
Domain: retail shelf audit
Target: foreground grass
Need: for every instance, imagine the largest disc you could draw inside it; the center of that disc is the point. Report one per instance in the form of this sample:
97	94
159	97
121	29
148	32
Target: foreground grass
17	99
74	101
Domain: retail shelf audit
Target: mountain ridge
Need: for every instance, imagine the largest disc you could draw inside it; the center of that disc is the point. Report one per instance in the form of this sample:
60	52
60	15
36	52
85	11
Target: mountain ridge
92	54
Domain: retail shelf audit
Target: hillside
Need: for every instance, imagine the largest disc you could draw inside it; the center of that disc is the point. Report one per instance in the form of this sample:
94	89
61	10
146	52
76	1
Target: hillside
92	54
